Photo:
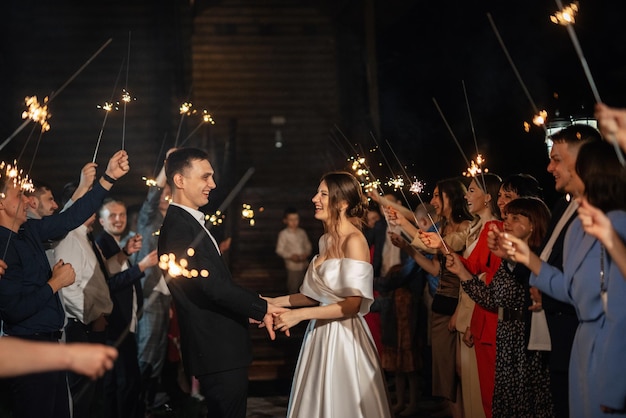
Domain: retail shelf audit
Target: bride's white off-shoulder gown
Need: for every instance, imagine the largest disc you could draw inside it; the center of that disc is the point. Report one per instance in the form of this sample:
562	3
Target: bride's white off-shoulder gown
338	372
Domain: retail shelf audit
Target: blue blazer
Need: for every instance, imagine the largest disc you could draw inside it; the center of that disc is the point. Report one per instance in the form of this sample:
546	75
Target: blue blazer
597	367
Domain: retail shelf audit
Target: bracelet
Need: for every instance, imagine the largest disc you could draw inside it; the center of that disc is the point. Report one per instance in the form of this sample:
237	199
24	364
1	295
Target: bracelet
108	178
125	252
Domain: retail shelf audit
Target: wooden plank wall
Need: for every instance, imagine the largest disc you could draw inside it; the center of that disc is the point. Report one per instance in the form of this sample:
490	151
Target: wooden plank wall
44	43
253	61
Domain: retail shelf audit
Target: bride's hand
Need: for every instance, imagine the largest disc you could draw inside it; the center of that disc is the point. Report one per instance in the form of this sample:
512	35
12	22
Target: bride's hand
286	320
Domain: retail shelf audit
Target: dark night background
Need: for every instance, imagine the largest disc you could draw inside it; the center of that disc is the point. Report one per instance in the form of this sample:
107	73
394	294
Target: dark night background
424	50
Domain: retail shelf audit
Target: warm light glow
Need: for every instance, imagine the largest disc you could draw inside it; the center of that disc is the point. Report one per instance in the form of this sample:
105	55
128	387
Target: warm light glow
37	112
371	186
215	219
475	167
13	174
185	108
567	16
167	262
126	97
417	186
540	118
396	183
149	182
206	116
108	106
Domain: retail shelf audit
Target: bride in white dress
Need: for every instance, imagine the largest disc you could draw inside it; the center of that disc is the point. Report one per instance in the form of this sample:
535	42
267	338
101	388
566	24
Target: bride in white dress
338	372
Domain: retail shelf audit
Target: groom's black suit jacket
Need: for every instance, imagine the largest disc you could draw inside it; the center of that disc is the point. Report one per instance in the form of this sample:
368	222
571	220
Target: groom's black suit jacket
212	311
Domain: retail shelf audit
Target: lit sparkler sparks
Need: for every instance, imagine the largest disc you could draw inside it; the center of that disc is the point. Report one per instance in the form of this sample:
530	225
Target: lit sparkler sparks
417	186
396	182
359	166
109	106
540	118
215	219
372	186
185	109
36	112
14	175
206	117
167	263
476	167
566	16
126	96
149	181
248	213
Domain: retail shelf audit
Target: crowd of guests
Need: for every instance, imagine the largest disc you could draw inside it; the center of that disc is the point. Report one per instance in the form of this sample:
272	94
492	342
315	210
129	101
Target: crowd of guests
60	282
526	303
511	309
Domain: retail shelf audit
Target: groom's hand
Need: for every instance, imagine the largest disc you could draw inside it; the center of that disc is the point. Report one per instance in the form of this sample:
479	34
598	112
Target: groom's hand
268	320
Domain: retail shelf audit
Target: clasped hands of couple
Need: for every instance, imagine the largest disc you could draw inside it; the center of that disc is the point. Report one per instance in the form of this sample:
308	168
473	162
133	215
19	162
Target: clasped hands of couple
277	319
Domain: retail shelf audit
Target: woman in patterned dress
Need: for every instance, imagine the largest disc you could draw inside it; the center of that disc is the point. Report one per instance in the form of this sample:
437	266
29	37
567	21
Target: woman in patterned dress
521	380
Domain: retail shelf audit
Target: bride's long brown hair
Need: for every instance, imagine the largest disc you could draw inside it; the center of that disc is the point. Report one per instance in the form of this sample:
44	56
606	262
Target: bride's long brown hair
342	187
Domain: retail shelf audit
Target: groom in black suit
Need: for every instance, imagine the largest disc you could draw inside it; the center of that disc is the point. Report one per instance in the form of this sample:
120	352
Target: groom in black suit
213	311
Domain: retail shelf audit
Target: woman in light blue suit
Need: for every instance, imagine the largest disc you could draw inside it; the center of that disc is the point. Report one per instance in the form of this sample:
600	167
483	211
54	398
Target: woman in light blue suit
593	283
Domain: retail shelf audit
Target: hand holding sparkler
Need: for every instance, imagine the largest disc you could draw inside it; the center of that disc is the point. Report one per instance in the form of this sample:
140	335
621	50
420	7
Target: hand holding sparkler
596	223
87	177
612	123
133	245
431	240
3	267
455	266
117	167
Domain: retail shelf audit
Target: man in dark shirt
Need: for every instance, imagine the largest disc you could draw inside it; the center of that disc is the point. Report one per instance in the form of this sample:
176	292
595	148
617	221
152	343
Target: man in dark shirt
30	306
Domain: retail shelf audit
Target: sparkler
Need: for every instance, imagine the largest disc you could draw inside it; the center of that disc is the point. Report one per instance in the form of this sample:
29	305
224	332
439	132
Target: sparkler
215	219
456	141
58	91
366	181
36	112
476	168
125	94
107	107
517	74
396	182
149	181
566	16
469	113
248	213
206	118
417	188
184	110
15	177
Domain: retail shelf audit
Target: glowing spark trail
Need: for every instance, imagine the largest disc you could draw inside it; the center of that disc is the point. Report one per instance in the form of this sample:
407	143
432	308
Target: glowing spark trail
58	91
567	16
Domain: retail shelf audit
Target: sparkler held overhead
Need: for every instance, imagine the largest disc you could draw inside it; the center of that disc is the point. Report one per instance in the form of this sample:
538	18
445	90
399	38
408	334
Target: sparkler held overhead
57	92
206	119
125	95
565	16
536	110
479	158
184	110
107	107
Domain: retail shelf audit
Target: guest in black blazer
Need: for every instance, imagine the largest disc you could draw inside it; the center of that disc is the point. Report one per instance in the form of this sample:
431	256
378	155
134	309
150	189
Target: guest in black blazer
122	384
213	311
